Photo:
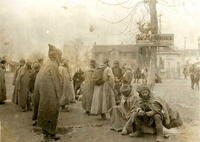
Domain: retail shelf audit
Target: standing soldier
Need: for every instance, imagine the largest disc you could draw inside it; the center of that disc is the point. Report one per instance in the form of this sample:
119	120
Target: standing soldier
22	84
15	93
2	82
192	75
36	69
103	97
78	79
68	91
47	93
88	87
117	71
185	72
137	75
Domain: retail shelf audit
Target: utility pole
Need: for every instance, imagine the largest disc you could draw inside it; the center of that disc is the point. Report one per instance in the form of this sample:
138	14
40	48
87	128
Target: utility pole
185	42
160	23
153	53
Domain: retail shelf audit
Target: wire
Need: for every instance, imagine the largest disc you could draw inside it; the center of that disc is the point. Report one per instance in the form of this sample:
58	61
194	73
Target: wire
121	20
124	18
120	3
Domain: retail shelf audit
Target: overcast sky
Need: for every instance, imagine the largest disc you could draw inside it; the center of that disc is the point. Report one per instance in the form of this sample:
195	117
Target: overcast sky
28	25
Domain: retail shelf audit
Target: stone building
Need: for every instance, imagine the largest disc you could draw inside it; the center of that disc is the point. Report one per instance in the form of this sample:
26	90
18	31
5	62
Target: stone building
123	53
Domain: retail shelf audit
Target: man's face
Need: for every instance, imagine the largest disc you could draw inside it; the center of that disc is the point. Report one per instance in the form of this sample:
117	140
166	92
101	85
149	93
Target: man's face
116	65
3	66
145	94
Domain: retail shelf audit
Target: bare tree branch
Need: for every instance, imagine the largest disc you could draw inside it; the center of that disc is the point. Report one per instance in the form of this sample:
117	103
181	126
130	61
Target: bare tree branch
165	3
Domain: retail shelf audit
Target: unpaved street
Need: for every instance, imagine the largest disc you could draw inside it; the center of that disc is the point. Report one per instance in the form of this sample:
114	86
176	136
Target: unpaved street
16	126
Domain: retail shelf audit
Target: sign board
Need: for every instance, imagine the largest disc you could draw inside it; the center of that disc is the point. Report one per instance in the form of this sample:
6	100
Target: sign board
159	40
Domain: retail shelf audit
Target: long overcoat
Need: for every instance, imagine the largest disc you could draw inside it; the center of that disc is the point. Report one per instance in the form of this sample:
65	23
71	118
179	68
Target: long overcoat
2	85
47	93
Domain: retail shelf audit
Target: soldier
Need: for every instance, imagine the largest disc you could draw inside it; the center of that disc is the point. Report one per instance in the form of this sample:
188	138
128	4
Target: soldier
68	94
137	75
47	93
22	84
78	79
15	92
103	97
192	75
185	72
2	82
88	87
117	71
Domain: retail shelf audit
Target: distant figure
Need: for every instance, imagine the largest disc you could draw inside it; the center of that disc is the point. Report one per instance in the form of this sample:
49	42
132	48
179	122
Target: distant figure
35	70
78	79
15	92
87	87
22	84
144	73
68	94
47	93
2	82
196	78
192	75
137	75
185	72
41	61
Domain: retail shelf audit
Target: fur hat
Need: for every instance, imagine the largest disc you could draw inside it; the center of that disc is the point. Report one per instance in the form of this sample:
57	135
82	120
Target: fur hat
126	89
143	87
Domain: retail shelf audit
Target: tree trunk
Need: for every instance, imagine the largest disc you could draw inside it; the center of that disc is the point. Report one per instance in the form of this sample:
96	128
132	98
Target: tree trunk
153	53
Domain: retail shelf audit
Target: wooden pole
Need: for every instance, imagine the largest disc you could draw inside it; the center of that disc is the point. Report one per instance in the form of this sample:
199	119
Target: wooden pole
153	52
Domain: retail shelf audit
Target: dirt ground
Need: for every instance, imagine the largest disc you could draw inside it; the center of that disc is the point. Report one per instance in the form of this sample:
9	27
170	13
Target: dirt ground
16	126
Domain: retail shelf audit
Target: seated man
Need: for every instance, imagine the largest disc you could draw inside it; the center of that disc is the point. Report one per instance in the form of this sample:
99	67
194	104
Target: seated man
120	113
151	112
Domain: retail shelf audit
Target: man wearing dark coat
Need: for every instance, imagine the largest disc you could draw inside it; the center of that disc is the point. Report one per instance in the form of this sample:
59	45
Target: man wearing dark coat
22	86
47	93
2	82
78	79
15	93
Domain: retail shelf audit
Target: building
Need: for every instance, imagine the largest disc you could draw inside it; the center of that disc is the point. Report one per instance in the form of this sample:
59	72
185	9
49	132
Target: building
123	53
169	63
168	59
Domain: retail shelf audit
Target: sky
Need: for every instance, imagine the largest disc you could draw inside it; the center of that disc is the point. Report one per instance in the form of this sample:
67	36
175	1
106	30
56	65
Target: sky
29	25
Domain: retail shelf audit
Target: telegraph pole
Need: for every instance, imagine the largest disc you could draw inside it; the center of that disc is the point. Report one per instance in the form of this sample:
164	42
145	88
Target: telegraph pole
153	57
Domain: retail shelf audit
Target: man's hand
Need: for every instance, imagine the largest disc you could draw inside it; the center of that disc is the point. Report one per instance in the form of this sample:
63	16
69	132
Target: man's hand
150	113
141	113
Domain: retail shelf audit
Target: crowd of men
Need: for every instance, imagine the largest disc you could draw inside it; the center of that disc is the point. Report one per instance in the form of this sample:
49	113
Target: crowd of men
48	88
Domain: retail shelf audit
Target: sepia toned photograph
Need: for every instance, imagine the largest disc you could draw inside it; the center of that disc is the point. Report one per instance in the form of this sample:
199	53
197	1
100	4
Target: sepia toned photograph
99	71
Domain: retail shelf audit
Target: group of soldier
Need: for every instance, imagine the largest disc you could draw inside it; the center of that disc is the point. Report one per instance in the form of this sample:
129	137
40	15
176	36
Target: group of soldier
109	92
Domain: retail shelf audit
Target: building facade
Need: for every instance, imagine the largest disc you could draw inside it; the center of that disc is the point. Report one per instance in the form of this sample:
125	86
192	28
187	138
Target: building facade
123	53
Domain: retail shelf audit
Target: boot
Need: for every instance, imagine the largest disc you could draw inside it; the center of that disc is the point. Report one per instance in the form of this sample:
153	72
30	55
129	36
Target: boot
55	137
103	116
136	134
124	132
159	138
